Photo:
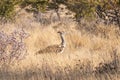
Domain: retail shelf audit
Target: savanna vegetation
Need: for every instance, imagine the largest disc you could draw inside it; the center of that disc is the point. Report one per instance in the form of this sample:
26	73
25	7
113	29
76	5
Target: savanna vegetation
92	36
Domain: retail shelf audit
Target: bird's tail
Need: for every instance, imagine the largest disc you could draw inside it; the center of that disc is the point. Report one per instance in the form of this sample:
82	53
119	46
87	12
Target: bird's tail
39	52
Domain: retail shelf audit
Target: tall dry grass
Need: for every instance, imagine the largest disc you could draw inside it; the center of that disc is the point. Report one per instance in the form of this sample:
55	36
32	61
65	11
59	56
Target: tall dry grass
90	54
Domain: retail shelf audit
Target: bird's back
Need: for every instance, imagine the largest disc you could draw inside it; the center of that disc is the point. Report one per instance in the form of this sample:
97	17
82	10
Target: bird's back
51	49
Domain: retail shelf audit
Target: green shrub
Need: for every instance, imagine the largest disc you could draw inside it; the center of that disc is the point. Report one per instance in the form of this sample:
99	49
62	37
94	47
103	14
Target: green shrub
36	5
7	9
82	8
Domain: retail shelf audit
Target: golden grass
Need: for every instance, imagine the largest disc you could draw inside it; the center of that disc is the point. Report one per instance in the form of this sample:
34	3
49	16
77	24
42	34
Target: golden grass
81	59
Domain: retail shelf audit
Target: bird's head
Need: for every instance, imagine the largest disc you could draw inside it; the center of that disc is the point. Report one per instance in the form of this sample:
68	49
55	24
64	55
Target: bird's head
61	32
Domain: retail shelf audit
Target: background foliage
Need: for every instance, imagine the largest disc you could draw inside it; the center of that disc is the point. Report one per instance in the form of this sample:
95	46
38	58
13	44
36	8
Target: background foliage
82	8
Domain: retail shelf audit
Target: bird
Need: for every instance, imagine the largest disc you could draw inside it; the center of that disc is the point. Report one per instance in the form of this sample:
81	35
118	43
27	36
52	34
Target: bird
58	48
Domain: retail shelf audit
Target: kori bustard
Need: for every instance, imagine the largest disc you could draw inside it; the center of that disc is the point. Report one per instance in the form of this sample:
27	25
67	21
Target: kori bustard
58	48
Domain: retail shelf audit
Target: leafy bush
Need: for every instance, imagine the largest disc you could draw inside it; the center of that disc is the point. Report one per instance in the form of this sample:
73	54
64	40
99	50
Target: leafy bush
7	9
36	5
82	8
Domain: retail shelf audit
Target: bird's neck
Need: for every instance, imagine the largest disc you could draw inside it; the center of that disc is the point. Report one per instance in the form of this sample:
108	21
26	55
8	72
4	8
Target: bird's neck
63	44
